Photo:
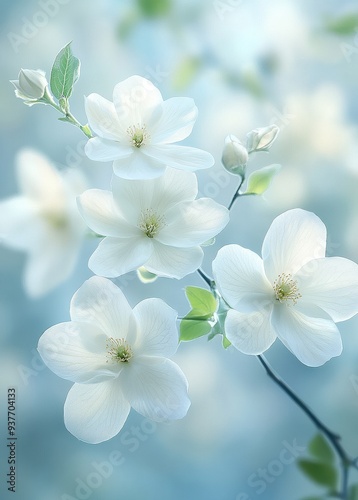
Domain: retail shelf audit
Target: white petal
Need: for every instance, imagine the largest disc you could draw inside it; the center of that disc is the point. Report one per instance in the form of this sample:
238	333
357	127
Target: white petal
102	215
312	340
182	157
52	261
96	412
192	223
99	149
250	333
102	117
138	166
240	277
157	331
102	303
77	352
173	262
156	388
173	120
332	284
294	238
117	256
135	99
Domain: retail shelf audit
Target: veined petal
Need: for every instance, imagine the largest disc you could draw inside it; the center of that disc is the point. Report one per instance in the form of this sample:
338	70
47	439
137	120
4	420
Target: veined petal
95	412
156	388
138	166
293	239
191	223
173	120
312	340
250	333
101	303
77	352
135	99
332	284
102	215
102	118
240	277
99	149
181	157
116	256
173	262
157	331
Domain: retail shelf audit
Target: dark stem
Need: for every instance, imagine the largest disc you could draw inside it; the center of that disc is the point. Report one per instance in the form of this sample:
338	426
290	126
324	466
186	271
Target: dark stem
205	277
237	194
333	438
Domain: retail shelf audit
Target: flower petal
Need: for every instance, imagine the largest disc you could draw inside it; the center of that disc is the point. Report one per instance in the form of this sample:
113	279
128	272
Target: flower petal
293	239
135	99
157	331
117	256
102	117
96	412
138	166
332	284
312	340
173	120
102	215
100	302
156	388
99	149
250	333
240	277
192	223
173	262
77	352
182	157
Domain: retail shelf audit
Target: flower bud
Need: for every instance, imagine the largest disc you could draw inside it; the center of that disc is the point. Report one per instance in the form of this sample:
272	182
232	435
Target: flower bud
261	139
31	85
235	156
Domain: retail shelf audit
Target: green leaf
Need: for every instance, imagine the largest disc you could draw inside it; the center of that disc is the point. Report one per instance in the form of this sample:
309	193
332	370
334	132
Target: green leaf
320	449
201	300
185	72
226	342
321	473
191	329
343	25
260	180
146	276
154	8
353	492
65	73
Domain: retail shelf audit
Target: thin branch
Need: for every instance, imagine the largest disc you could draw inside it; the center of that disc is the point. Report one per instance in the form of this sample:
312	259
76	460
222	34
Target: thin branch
237	194
205	277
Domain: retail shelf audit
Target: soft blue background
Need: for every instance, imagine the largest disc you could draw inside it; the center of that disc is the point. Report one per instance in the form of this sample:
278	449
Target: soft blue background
305	81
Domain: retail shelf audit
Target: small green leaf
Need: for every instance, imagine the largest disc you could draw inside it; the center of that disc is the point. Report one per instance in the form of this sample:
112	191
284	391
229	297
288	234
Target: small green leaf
321	473
226	342
201	300
191	329
343	25
353	492
155	8
65	73
146	276
260	180
320	449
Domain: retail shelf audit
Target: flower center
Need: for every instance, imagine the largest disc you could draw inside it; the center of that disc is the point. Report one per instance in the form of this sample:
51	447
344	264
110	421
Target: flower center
286	289
150	222
118	350
138	135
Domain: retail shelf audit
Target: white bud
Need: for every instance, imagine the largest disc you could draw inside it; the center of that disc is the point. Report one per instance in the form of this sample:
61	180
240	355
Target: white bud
31	85
235	156
261	139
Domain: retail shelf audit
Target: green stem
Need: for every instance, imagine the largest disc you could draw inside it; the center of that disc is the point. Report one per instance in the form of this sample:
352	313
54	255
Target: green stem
237	194
68	116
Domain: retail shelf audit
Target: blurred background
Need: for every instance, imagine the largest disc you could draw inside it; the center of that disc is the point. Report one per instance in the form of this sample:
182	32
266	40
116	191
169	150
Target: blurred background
247	64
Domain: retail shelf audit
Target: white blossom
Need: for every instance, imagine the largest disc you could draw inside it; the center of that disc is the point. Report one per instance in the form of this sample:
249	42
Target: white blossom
118	359
138	131
293	292
30	86
234	156
261	139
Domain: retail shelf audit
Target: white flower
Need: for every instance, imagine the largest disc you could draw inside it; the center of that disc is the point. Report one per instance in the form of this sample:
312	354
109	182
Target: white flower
138	129
261	139
43	221
31	85
117	358
293	292
154	223
235	156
